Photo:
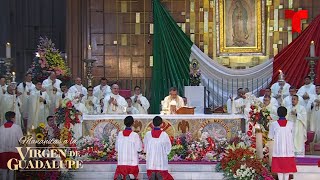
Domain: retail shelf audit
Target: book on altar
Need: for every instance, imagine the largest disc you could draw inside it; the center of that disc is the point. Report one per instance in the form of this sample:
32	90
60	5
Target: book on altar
185	110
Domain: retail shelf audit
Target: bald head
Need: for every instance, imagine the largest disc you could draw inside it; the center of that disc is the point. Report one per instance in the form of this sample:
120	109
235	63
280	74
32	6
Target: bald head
78	81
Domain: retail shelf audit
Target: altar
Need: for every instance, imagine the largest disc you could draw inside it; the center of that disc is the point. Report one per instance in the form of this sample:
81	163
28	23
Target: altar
218	126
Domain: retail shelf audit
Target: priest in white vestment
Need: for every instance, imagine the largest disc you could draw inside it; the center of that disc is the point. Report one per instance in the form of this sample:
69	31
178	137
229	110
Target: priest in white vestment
230	102
11	102
131	109
280	89
102	90
3	86
270	107
157	146
287	102
10	134
128	144
298	115
115	104
52	86
77	128
38	106
314	107
273	101
172	102
78	88
91	102
25	89
63	95
140	102
307	90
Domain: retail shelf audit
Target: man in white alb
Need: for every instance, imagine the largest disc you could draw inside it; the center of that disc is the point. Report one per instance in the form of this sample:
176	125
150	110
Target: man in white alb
298	115
140	102
25	89
52	86
11	102
64	94
172	102
102	90
307	90
280	89
270	107
287	102
78	89
115	104
314	107
130	108
91	102
274	102
3	86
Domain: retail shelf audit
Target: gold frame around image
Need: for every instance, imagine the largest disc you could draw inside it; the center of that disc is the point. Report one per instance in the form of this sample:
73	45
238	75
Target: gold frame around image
240	27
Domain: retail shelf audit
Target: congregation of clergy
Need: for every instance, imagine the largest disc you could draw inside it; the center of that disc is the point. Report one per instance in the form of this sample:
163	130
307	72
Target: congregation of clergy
34	101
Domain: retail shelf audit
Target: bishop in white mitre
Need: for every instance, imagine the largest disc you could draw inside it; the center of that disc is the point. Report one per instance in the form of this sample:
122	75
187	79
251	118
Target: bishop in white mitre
102	90
314	108
307	90
298	115
77	128
140	102
172	102
25	89
11	102
38	106
90	101
52	86
115	104
78	89
280	89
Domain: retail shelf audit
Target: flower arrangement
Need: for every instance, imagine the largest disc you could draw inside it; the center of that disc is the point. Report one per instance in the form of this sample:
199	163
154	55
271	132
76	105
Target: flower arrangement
41	133
240	162
92	148
48	60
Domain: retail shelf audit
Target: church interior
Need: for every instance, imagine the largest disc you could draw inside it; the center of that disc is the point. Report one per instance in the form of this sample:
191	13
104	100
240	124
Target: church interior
212	76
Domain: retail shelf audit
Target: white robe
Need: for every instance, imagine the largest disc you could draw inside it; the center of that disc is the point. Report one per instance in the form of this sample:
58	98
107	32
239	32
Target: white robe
112	109
315	117
24	97
306	89
67	95
143	107
38	111
101	93
273	111
128	148
300	128
167	100
91	108
9	138
3	90
275	91
77	90
157	150
287	102
10	103
54	97
132	110
273	101
77	128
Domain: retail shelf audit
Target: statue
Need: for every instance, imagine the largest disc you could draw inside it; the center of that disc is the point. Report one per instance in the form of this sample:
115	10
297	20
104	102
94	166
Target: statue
195	74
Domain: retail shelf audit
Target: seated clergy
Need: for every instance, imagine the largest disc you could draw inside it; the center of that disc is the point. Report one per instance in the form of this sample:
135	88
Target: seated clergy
140	102
115	104
172	102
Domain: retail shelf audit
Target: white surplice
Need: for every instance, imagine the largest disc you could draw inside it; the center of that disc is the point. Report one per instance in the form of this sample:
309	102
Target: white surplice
112	109
101	93
128	148
77	128
9	138
78	89
167	100
91	103
37	111
10	102
300	128
24	89
315	116
143	107
157	150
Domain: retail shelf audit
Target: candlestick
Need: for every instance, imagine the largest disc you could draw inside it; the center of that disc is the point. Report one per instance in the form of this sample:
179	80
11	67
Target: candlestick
8	50
13	77
89	52
312	49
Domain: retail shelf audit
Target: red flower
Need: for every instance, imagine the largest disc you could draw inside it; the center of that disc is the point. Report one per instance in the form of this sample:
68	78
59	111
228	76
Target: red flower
69	104
249	133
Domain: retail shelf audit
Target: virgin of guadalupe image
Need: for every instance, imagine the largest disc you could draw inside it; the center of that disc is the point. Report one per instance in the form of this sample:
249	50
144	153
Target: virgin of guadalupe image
239	24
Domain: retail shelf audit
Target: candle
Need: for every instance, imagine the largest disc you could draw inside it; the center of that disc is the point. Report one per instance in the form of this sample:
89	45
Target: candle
312	50
13	77
259	141
89	52
8	50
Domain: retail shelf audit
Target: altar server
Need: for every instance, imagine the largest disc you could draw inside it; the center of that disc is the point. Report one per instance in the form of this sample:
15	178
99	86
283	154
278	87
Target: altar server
38	106
283	160
128	144
10	134
298	115
11	102
139	101
172	102
115	104
102	90
157	146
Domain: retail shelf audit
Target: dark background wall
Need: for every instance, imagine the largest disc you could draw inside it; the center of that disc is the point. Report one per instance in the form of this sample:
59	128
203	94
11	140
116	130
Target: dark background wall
22	22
